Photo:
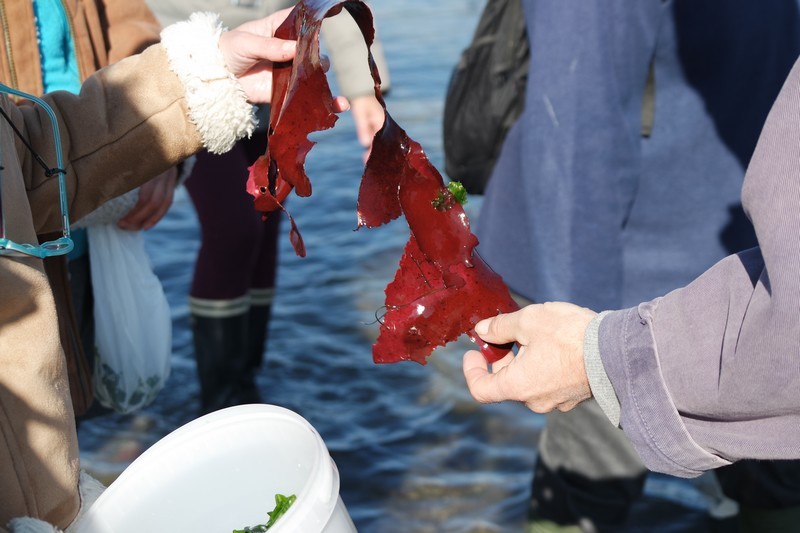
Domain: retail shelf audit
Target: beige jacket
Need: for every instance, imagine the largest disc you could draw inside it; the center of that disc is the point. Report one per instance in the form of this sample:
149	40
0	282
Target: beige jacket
103	31
137	106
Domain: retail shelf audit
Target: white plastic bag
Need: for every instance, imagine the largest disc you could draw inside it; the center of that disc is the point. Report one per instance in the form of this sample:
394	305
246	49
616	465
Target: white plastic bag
133	325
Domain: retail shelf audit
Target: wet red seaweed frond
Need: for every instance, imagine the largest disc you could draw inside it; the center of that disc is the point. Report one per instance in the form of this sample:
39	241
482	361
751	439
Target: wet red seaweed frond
442	287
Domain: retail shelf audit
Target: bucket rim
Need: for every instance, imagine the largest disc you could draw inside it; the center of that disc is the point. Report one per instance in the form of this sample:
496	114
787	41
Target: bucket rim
315	503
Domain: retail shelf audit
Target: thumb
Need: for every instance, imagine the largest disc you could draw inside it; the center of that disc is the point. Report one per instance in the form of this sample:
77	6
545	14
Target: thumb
483	385
243	50
500	329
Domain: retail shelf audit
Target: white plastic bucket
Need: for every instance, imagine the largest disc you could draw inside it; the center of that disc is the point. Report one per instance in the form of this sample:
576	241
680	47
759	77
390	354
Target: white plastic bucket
221	472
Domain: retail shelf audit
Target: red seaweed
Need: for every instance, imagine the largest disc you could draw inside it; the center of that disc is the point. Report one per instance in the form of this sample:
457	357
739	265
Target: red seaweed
425	311
442	288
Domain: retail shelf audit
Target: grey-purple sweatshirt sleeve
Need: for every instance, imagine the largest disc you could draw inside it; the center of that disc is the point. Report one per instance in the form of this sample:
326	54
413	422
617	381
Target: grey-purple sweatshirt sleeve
710	373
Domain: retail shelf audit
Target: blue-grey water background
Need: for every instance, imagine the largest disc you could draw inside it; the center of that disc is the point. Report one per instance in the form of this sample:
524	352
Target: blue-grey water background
414	451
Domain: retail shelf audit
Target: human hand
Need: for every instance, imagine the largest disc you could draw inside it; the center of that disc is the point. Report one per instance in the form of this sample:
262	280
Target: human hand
548	371
250	51
155	199
368	115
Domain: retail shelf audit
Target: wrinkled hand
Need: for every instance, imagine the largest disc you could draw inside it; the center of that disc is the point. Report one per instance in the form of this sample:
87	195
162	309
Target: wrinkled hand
250	51
548	371
368	115
155	199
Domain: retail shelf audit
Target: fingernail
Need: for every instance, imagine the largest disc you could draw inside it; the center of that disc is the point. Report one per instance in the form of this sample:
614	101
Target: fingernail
482	327
289	46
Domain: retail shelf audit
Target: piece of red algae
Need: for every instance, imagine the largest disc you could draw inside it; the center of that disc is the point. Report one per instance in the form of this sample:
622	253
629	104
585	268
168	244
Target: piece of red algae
424	311
442	288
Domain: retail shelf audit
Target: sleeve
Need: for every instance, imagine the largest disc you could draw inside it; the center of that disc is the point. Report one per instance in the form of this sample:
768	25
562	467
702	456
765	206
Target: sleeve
348	54
601	387
167	103
709	374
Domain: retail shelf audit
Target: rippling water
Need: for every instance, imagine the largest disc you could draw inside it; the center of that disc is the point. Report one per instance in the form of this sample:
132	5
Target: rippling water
414	452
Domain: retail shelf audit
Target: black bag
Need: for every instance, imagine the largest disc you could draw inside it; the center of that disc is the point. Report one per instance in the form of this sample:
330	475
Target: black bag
486	94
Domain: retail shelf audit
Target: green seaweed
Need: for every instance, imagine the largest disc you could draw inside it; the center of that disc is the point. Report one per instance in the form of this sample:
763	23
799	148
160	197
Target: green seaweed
282	504
446	198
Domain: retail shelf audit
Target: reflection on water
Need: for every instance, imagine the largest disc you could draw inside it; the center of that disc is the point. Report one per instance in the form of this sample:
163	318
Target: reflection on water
414	452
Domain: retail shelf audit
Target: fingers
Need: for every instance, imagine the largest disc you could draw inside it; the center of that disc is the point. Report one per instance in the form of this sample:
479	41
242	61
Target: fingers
144	215
266	26
368	115
134	219
250	57
497	366
155	199
252	48
243	50
277	50
255	41
503	328
486	386
340	104
476	373
274	20
548	371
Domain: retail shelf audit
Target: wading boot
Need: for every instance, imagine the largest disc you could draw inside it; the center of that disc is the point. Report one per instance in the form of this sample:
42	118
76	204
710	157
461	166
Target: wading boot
260	312
221	332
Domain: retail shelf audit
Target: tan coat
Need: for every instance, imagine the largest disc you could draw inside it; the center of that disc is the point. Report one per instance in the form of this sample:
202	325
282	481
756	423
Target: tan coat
137	107
104	31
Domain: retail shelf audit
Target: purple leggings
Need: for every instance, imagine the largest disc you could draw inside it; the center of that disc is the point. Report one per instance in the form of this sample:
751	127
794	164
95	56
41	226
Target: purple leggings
239	248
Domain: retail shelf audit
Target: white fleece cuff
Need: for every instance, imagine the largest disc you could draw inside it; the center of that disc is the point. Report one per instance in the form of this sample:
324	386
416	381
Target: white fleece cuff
217	103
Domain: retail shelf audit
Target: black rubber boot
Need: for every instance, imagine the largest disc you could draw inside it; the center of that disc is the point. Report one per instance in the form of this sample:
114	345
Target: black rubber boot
223	361
259	334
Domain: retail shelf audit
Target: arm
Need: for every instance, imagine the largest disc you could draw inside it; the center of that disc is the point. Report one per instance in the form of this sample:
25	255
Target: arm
130	27
703	376
349	60
709	373
173	111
